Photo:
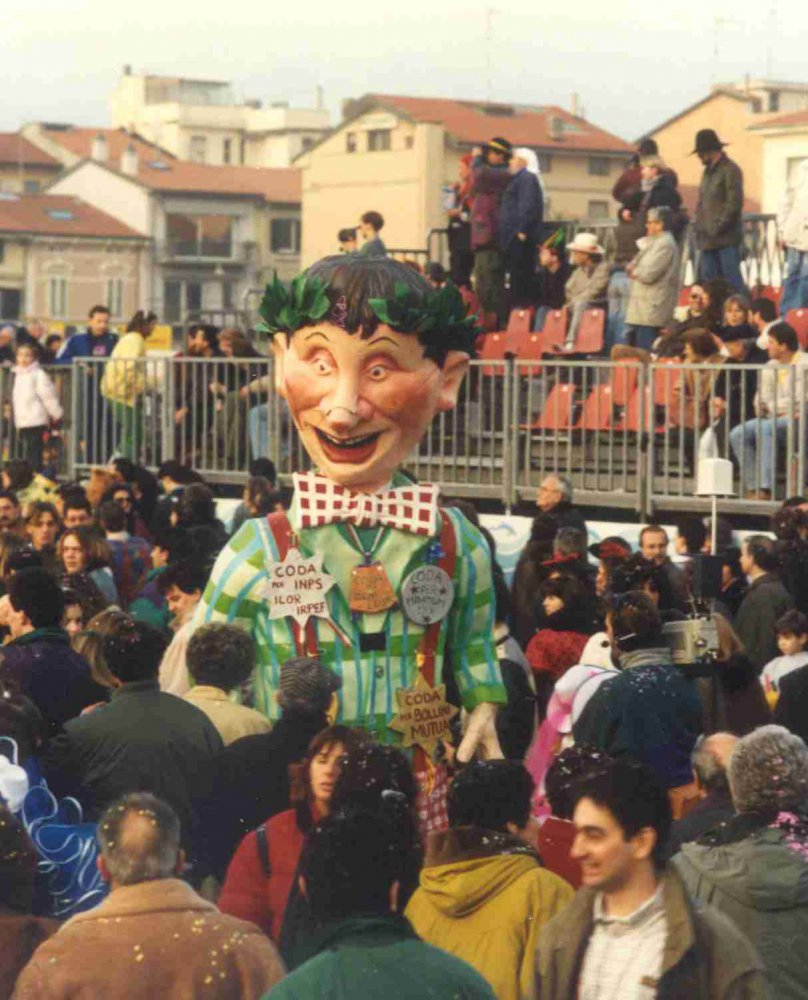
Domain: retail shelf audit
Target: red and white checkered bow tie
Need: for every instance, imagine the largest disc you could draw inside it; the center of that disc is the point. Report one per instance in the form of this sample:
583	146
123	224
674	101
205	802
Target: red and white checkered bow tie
408	508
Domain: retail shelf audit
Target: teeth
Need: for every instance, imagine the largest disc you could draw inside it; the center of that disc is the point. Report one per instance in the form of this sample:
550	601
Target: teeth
347	442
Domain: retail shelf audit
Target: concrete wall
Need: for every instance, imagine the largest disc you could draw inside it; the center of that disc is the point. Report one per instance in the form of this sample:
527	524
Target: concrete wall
730	118
12	266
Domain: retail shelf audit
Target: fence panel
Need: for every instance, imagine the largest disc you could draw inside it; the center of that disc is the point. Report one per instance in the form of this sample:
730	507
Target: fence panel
571	419
717	411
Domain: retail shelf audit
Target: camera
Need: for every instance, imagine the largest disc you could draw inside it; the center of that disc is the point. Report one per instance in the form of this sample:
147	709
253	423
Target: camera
694	640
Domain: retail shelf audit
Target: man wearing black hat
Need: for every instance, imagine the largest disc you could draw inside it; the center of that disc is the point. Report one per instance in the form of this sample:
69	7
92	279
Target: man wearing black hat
719	228
489	178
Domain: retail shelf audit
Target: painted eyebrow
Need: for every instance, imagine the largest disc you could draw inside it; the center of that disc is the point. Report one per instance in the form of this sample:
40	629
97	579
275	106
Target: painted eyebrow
379	340
317	333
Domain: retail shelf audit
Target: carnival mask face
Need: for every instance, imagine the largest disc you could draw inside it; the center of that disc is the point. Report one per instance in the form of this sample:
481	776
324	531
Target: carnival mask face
362	406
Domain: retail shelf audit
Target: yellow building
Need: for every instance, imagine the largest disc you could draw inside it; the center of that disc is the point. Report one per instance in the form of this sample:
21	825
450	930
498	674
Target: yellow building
395	154
733	110
61	256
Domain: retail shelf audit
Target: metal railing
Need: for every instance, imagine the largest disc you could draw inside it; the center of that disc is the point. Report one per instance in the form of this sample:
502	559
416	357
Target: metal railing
628	435
226	251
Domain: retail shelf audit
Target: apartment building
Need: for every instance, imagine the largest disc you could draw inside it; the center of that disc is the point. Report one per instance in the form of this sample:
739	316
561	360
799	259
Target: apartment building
201	121
216	233
24	168
59	256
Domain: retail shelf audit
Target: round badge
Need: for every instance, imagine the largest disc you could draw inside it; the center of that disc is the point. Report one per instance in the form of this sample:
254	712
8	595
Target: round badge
427	595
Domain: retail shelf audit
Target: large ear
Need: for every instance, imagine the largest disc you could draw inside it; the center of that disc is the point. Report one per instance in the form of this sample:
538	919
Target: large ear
280	345
452	374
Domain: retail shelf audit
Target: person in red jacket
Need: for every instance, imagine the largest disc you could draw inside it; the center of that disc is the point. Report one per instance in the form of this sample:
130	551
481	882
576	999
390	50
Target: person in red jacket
557	645
259	878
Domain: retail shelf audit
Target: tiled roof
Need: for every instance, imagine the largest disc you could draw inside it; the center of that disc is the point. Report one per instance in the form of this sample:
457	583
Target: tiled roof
792	119
15	149
471	122
79	141
159	170
58	215
272	183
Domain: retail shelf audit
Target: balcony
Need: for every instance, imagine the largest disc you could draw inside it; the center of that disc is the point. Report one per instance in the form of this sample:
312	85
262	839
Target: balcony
204	251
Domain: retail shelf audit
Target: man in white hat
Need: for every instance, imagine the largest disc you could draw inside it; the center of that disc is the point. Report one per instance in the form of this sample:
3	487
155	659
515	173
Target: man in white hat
586	286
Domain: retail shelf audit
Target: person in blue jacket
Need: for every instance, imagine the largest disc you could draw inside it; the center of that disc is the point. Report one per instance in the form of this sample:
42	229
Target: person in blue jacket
97	342
520	222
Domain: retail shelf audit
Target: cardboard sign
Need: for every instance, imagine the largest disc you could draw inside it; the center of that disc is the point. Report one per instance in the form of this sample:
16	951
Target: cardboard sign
424	715
297	587
160	338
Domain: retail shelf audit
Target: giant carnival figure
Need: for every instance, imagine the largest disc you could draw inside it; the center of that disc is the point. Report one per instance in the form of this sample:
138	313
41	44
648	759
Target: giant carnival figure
366	570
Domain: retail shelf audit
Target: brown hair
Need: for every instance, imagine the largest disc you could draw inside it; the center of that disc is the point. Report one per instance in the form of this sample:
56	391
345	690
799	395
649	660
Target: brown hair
90	643
300	785
701	342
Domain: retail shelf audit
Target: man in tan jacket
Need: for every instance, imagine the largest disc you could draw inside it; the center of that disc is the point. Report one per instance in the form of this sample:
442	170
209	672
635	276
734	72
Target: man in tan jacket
153	936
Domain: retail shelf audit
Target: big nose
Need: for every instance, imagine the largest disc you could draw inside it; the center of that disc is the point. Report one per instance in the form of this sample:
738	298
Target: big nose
344	408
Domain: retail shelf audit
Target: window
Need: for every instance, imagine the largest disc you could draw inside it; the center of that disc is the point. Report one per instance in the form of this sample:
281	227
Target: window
227	150
30	187
115	296
599	166
61	215
227	294
199	149
597	210
199	235
180	298
774	100
350	142
379	140
409	141
10	303
284	235
57	298
545	162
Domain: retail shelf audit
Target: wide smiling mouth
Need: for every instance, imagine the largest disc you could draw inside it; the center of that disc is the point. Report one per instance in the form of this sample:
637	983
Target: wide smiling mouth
361	441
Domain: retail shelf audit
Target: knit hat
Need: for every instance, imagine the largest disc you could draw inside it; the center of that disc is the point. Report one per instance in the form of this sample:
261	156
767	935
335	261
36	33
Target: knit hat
305	679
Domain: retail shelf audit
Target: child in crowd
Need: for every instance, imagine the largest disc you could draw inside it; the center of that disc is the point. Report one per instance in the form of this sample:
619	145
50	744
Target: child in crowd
34	403
792	638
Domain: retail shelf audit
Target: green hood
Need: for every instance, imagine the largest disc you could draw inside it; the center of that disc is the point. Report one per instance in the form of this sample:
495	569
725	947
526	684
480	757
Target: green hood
760	872
466	867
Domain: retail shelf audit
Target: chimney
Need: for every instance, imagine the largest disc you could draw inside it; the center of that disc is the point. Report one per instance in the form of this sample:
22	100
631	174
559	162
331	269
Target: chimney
99	150
129	161
557	128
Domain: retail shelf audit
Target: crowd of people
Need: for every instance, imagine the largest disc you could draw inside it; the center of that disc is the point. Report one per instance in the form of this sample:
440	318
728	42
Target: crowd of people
242	857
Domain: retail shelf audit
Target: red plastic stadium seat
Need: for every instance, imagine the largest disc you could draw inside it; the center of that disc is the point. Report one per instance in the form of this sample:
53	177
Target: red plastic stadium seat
555	328
596	413
631	418
798	318
557	412
520	323
556	837
589	339
493	349
624	381
665	382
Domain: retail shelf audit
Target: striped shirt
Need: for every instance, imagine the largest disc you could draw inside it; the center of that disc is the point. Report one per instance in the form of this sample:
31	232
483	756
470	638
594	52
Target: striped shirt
623	959
369	678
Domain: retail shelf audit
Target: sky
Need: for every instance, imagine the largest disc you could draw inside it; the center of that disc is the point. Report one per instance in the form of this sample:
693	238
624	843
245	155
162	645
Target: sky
633	64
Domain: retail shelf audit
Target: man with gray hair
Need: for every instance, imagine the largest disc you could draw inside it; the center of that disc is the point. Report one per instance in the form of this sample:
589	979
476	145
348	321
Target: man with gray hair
555	497
709	759
153	935
754	867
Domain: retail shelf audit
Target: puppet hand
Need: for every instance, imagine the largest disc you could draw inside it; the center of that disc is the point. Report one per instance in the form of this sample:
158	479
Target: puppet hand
481	734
